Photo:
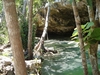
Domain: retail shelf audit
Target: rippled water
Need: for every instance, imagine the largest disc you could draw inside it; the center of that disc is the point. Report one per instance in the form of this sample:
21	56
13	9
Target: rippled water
66	62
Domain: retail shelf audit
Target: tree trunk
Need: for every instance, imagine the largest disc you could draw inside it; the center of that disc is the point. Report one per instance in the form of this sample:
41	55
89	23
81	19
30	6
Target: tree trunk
78	25
30	28
15	38
93	47
24	7
98	10
93	58
41	42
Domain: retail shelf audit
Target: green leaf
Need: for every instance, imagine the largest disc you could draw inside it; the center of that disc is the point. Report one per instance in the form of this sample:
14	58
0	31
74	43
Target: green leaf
87	34
83	26
89	24
75	39
75	33
86	31
96	34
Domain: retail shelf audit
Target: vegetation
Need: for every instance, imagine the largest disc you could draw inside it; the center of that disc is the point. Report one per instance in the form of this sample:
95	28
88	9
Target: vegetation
91	30
88	35
14	36
3	29
79	29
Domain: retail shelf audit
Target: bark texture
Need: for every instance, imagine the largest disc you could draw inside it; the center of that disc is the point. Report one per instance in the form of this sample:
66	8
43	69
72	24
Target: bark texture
93	47
30	28
78	25
14	35
93	58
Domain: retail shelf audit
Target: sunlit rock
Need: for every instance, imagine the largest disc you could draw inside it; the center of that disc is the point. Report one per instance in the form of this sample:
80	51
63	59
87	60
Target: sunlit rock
61	18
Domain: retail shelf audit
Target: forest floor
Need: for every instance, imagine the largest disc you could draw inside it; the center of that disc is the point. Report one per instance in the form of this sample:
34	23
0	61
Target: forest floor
7	64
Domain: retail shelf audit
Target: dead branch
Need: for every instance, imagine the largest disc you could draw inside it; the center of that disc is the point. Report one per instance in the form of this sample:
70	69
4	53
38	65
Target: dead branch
40	44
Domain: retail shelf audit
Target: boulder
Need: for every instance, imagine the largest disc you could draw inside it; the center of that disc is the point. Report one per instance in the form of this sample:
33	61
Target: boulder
61	18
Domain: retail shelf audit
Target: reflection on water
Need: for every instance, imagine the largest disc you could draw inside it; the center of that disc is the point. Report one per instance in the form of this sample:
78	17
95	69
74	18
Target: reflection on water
66	62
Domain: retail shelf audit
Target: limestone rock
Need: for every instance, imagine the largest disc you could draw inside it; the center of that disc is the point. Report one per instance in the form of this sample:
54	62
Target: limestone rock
6	61
61	18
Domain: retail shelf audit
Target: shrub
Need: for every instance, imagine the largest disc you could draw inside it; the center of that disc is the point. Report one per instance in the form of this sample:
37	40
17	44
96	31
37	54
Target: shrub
24	33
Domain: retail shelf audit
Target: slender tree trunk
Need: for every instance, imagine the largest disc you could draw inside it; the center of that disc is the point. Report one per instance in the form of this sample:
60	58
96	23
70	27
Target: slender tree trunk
93	47
98	10
41	42
30	28
15	38
24	7
93	58
78	25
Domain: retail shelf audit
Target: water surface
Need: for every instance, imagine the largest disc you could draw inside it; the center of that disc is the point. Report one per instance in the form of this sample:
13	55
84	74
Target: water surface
66	62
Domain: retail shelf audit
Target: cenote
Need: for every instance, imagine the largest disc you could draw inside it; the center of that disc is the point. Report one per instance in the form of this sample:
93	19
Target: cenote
66	62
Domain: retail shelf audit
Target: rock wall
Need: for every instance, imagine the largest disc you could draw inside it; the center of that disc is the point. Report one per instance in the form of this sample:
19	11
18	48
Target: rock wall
61	18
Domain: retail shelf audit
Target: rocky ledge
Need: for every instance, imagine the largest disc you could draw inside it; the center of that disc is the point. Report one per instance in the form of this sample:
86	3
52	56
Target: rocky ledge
61	18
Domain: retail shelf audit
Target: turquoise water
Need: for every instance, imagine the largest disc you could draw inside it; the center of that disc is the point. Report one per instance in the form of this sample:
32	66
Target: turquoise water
66	62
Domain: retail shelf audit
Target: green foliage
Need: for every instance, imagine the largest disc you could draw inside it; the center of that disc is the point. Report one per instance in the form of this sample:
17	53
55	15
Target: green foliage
37	3
33	35
3	29
3	33
24	32
75	33
19	3
86	31
89	2
96	34
23	20
89	35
